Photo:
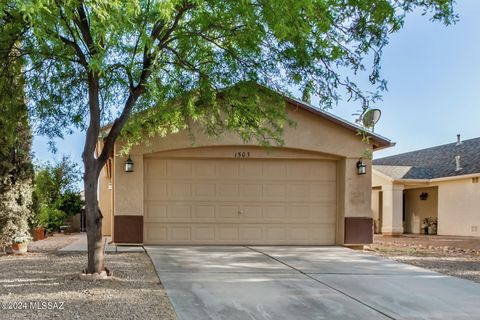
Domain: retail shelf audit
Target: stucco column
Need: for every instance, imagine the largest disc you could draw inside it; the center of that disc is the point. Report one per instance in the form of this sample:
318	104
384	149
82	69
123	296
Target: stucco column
392	209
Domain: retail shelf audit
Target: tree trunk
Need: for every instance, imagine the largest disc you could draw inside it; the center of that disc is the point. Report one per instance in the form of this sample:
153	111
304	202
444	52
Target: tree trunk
94	219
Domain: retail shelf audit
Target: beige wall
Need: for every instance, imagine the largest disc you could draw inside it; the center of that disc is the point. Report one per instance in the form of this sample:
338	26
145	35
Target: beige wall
379	180
313	136
416	209
105	203
456	203
459	208
128	189
377	196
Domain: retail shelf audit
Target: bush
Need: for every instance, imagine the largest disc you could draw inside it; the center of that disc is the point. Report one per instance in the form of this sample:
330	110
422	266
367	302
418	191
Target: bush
51	218
56	193
71	204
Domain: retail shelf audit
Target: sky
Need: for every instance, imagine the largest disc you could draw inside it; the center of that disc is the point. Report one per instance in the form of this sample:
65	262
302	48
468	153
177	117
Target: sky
433	75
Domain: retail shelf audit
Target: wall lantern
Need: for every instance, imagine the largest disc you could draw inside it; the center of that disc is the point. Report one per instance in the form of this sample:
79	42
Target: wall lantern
361	167
129	165
423	196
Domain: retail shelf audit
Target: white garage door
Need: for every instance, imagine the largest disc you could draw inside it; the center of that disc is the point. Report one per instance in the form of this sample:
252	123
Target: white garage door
239	201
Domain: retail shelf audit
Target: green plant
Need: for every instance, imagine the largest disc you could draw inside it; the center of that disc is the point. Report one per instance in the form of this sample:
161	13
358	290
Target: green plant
56	194
22	238
51	218
71	203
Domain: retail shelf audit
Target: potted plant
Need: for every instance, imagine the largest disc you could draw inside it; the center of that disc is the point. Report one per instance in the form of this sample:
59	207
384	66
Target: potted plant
424	226
38	233
20	243
432	226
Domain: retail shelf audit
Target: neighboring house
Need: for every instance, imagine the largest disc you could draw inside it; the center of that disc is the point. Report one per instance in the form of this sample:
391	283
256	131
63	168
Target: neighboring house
224	191
440	182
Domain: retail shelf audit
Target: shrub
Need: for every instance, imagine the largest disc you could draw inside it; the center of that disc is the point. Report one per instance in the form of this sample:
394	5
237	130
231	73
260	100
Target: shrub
50	218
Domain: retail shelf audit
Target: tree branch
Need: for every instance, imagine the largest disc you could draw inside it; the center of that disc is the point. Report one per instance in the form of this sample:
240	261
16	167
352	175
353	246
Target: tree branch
148	59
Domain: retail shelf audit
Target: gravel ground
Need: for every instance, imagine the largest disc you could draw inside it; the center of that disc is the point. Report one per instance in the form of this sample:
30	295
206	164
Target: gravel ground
52	243
135	291
458	262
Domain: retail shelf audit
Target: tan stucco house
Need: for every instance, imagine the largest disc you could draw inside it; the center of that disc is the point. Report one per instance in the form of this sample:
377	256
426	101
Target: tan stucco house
440	182
224	191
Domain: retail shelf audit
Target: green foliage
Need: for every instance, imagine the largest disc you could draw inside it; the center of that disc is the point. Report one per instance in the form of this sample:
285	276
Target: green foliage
15	210
154	51
71	204
52	181
56	193
50	217
16	170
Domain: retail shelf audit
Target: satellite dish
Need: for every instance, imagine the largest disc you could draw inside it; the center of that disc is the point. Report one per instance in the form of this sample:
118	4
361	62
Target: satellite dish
371	117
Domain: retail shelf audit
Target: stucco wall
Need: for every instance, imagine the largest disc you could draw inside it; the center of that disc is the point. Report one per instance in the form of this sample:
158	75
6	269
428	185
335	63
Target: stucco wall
459	208
379	180
377	210
105	202
416	209
312	133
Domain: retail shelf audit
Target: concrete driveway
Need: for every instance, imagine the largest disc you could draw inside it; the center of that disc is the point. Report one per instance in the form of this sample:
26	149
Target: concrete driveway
306	283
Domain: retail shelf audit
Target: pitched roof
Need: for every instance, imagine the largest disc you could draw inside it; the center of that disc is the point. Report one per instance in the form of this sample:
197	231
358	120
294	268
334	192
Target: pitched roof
378	141
432	163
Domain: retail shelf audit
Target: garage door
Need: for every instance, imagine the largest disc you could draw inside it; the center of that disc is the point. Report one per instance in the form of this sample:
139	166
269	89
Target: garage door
239	201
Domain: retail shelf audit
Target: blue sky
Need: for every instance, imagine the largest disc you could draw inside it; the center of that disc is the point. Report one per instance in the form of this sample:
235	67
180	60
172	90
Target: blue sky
433	75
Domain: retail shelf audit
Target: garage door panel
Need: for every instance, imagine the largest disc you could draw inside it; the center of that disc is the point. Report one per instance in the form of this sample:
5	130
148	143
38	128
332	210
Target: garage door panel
204	169
155	169
252	190
215	233
250	233
227	212
155	213
274	191
242	201
268	212
325	192
228	170
251	169
155	233
155	190
179	169
227	233
205	189
228	190
203	212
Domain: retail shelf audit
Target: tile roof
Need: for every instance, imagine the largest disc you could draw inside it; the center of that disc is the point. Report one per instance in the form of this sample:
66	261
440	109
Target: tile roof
432	163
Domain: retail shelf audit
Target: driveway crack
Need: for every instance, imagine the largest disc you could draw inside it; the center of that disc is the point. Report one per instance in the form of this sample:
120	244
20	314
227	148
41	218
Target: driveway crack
323	283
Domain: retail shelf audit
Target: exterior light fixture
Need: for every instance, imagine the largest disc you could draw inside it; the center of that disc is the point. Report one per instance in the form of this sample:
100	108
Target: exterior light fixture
129	165
361	167
423	196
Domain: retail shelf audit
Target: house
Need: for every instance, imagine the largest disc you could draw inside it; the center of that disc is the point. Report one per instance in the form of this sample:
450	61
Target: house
440	182
227	192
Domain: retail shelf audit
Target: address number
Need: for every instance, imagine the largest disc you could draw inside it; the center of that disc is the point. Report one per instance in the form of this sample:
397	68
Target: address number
242	154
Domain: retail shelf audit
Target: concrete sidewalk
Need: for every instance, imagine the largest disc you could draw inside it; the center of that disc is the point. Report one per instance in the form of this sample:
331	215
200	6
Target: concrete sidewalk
80	245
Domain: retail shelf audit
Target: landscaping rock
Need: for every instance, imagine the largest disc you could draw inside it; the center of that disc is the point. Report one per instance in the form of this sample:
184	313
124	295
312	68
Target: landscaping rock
134	292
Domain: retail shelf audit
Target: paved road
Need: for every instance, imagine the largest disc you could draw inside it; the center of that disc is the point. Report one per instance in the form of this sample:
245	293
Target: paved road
306	283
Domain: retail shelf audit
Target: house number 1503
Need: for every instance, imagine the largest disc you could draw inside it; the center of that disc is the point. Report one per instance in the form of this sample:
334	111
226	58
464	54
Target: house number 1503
242	154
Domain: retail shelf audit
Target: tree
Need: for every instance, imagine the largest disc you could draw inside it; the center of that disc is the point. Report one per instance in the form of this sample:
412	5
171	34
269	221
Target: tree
16	170
57	193
95	62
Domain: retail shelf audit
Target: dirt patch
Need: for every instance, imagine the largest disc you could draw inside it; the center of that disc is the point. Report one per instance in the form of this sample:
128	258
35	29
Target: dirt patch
51	279
461	261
